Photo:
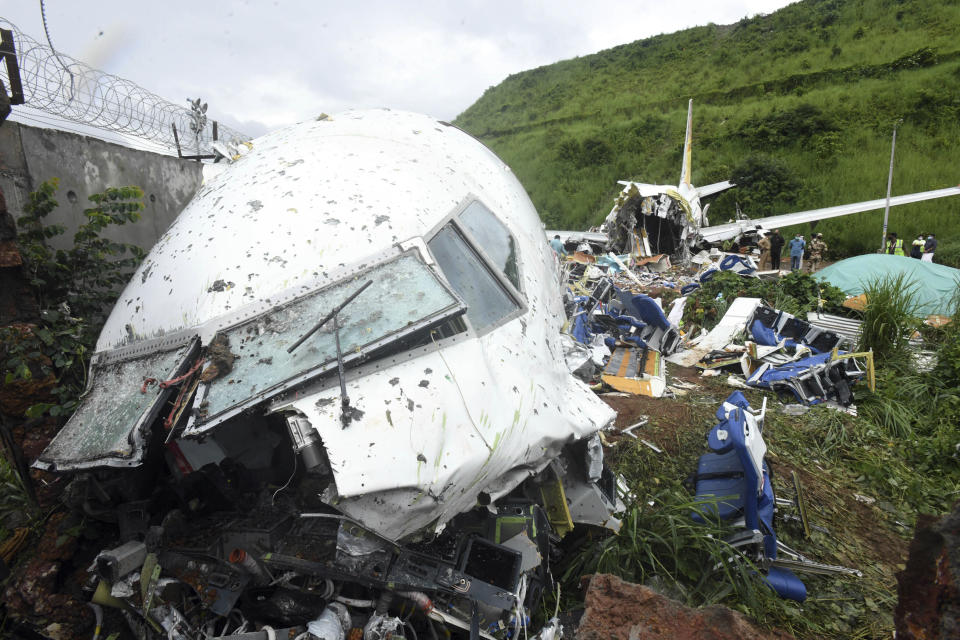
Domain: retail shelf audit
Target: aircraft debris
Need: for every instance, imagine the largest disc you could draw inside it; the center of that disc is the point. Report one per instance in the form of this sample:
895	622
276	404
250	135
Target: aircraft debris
670	219
733	484
378	437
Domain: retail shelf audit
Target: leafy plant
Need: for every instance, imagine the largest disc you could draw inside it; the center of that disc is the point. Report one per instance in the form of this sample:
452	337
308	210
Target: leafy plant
889	318
795	293
75	288
948	253
14	504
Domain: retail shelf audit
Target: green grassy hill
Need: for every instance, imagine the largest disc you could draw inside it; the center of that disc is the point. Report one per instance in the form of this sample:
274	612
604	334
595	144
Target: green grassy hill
797	107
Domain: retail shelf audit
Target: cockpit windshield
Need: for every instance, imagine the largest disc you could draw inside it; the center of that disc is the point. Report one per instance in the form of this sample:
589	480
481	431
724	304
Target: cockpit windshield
406	297
248	362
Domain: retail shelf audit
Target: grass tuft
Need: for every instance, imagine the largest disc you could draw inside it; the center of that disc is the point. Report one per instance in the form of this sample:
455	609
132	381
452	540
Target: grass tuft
889	318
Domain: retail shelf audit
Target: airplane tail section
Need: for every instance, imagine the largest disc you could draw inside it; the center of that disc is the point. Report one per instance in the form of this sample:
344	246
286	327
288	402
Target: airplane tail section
687	144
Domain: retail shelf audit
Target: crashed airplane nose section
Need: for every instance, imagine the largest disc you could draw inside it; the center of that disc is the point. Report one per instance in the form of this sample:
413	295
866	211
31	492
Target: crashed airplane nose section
456	387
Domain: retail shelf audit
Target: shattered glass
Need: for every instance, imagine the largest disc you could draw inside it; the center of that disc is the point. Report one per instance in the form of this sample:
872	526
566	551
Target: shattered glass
494	238
103	426
405	294
487	301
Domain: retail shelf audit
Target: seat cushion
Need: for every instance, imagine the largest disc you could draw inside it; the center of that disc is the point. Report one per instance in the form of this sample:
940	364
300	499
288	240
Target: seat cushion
712	465
722	496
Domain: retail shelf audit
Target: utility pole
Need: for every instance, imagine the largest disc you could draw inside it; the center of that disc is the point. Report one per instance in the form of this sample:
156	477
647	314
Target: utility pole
886	210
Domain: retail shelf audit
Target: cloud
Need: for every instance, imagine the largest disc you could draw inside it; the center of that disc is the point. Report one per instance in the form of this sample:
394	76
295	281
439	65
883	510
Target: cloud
262	65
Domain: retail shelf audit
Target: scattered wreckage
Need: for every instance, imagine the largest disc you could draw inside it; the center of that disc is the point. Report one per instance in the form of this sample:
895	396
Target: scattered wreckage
336	398
627	335
623	339
332	402
673	221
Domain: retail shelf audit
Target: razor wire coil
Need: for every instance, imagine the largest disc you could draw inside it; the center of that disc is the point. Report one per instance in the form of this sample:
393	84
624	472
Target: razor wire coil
61	85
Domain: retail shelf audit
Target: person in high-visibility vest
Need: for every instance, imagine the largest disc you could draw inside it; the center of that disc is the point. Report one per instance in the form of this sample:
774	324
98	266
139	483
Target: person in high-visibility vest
895	246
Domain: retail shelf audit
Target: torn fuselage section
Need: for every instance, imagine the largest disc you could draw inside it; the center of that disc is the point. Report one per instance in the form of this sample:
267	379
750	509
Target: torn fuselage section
246	499
665	219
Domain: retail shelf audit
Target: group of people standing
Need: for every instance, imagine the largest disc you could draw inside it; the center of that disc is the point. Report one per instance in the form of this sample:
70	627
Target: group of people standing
771	247
922	249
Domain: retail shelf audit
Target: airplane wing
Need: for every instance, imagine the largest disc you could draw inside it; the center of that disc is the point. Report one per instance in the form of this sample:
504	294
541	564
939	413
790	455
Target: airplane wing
646	190
716	187
722	232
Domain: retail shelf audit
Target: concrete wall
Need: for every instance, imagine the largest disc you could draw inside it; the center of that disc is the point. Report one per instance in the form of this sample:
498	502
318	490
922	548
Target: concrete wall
84	165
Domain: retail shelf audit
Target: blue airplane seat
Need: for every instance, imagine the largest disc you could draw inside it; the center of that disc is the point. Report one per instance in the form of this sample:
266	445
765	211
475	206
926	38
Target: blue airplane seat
721	485
712	465
721	496
734	481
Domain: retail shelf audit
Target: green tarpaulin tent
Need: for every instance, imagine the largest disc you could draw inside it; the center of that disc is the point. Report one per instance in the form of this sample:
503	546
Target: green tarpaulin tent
936	283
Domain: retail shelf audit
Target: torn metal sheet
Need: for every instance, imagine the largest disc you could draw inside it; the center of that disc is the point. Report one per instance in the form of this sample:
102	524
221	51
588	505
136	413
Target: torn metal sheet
733	322
443	442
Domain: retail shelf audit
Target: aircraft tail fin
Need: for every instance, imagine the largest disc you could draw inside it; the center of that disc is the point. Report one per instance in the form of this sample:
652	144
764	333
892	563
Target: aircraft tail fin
687	144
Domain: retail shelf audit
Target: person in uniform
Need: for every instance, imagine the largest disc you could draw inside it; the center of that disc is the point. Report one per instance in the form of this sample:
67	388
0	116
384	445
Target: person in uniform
916	250
895	245
817	248
764	245
929	247
796	246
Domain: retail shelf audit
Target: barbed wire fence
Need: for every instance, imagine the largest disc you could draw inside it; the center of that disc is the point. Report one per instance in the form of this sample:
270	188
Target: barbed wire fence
62	86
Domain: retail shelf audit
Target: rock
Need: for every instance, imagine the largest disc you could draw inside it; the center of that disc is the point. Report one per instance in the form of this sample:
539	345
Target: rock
928	606
619	610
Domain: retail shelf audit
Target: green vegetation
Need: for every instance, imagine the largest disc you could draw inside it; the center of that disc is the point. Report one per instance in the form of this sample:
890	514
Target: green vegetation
795	293
798	106
889	318
75	287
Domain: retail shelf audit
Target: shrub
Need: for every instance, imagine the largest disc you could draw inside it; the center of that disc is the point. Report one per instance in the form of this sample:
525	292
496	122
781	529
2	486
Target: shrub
948	253
889	318
75	288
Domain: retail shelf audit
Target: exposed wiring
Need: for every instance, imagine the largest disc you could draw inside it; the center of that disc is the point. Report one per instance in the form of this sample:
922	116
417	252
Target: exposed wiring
98	613
409	626
556	610
172	381
289	480
328	589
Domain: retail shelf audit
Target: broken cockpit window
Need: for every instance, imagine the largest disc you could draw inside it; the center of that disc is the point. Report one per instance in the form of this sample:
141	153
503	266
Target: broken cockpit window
494	238
488	301
108	428
406	297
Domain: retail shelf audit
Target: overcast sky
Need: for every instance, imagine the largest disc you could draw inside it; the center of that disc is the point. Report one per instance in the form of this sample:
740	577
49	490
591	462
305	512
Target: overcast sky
264	64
